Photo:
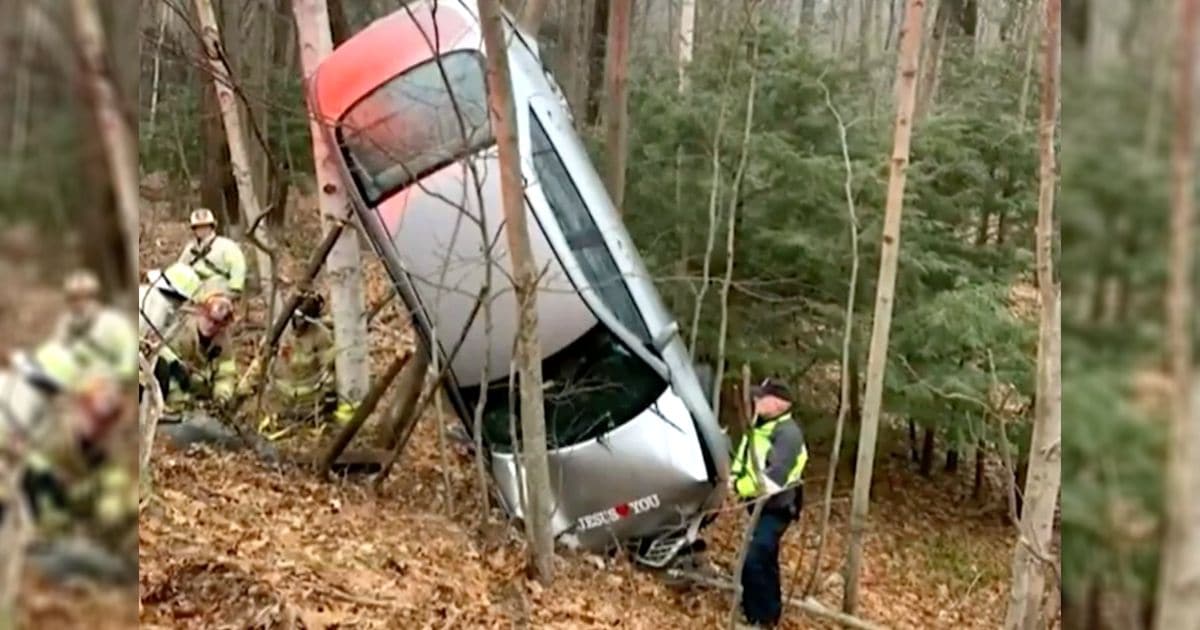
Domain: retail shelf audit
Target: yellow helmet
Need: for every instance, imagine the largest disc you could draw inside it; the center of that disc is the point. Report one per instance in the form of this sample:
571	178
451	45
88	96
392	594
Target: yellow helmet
202	216
81	283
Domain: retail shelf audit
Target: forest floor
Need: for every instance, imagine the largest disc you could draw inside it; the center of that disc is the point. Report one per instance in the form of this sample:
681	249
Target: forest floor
229	542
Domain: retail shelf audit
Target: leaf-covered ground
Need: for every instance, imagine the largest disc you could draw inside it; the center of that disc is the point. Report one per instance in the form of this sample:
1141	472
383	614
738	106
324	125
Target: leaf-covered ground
229	542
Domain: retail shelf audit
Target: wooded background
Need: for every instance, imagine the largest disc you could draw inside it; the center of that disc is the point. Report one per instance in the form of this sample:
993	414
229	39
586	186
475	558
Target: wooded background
960	373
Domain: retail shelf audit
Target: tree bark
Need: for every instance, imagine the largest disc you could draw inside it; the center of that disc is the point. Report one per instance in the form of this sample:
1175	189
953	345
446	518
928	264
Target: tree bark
616	114
906	74
597	46
412	380
344	266
119	144
848	368
927	453
531	16
951	460
1044	473
808	16
731	227
866	19
977	484
932	68
1179	573
538	506
238	155
339	26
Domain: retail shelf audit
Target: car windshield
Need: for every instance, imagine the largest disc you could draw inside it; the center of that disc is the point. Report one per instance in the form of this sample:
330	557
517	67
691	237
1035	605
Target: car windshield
408	127
591	387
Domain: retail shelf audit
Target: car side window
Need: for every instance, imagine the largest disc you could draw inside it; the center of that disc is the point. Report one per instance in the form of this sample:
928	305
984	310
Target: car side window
581	233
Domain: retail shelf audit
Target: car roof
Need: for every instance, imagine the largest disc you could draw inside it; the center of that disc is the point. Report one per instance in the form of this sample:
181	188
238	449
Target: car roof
386	48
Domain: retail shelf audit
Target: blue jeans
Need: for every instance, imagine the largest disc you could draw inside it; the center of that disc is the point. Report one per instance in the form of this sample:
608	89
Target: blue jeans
760	577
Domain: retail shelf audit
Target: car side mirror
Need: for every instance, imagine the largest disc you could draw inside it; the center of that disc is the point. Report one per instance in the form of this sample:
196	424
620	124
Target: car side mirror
665	336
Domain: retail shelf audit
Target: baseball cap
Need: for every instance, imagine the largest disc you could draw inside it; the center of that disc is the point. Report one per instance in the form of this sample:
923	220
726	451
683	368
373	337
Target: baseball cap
771	387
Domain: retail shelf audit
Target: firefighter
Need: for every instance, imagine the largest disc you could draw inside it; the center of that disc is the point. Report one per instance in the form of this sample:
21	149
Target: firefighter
217	260
302	376
69	478
775	444
197	361
101	337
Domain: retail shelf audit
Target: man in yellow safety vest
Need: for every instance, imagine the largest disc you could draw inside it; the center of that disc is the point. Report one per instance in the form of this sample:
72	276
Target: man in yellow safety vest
768	466
217	260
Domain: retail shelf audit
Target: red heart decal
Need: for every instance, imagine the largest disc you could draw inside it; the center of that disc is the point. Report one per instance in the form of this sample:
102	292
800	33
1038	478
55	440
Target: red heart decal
623	510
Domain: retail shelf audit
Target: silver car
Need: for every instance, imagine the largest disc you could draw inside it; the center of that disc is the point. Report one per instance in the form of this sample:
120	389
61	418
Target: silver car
636	455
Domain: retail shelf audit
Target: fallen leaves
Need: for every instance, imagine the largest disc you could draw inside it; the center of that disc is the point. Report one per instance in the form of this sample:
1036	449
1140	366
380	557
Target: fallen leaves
232	543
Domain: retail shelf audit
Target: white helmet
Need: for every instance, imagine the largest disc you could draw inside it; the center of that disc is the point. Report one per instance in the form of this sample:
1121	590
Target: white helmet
202	216
82	283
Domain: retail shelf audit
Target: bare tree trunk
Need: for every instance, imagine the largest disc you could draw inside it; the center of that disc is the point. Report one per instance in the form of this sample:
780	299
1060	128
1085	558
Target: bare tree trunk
847	364
684	50
339	444
906	75
1179	573
731	227
531	16
538	505
239	158
157	70
927	452
616	114
119	144
15	530
339	26
596	47
808	16
1044	473
344	267
866	19
932	68
1031	39
21	95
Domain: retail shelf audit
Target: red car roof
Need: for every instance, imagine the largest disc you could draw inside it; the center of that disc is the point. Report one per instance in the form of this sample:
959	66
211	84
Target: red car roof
381	51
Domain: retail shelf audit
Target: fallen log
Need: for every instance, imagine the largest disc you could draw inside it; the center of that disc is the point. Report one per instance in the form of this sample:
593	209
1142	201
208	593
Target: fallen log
363	412
808	605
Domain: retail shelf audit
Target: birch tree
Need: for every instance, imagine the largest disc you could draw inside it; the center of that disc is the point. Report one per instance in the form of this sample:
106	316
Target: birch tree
1179	573
239	156
344	265
616	114
119	147
1045	450
906	91
538	505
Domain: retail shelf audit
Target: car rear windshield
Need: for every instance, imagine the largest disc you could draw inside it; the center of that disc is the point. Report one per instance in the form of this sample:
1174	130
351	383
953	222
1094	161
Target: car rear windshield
411	125
591	387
